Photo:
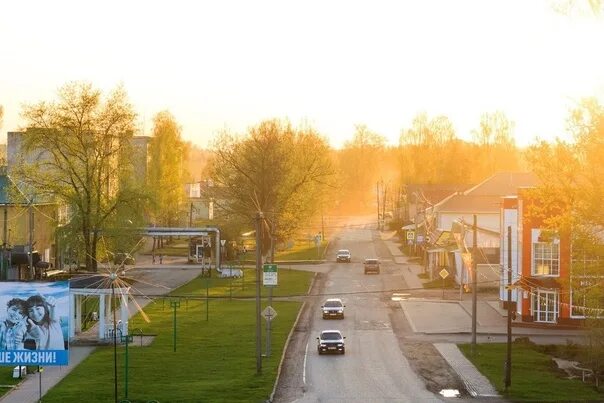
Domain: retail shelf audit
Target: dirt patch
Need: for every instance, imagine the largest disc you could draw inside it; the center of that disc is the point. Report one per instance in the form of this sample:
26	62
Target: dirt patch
427	362
423	357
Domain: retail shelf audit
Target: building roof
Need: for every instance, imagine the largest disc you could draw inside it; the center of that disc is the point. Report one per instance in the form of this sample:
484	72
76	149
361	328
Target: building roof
460	203
504	184
433	193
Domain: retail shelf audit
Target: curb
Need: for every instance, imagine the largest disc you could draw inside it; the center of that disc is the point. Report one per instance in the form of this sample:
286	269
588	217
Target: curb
291	331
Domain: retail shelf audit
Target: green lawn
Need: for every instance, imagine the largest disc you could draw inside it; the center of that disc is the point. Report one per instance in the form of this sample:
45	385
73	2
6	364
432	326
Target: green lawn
535	377
215	359
301	250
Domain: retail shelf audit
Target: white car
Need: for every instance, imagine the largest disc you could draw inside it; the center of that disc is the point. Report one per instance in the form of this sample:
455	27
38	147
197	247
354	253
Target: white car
333	308
343	255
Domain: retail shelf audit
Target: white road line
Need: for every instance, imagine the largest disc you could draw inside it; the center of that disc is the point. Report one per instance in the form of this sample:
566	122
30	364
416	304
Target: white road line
304	366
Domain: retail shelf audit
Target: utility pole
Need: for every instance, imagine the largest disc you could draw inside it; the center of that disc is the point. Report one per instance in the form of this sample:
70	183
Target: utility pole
259	219
384	205
31	241
4	246
474	284
508	362
377	192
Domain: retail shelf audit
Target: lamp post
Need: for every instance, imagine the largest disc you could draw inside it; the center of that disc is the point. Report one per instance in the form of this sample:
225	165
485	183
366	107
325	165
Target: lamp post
174	304
113	277
126	339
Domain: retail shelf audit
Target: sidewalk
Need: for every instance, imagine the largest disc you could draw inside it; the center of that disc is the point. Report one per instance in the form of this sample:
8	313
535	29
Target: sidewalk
151	280
439	319
476	383
411	270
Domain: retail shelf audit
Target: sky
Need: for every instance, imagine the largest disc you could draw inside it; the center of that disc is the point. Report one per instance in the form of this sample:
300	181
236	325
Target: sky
330	64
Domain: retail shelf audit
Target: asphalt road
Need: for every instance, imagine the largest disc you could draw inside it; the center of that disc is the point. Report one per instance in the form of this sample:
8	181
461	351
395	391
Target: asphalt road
374	368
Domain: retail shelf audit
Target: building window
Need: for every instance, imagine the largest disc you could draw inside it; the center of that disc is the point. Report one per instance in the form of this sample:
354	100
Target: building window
544	306
546	255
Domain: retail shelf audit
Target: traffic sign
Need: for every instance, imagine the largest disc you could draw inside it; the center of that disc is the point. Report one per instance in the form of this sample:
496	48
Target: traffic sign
269	275
269	313
443	273
411	235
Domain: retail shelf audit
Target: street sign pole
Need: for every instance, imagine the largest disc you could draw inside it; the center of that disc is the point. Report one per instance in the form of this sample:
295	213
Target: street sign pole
269	280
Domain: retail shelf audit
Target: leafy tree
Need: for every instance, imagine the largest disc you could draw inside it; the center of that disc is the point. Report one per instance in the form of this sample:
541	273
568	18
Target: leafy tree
78	151
275	169
167	170
570	199
496	149
430	152
361	165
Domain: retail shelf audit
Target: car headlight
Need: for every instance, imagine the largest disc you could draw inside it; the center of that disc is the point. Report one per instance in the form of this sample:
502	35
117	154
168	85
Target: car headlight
340	311
323	345
325	311
340	344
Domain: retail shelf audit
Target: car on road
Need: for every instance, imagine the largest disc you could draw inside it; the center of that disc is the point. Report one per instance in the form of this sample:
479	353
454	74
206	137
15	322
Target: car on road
331	341
343	255
371	266
333	308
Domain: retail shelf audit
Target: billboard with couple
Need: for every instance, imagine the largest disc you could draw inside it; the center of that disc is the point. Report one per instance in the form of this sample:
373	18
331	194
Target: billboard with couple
34	323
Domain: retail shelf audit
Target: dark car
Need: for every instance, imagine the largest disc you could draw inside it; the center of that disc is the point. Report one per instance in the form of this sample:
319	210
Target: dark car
331	341
371	266
343	255
333	308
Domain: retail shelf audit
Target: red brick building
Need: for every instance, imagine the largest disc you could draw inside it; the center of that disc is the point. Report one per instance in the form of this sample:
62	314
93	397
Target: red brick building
541	267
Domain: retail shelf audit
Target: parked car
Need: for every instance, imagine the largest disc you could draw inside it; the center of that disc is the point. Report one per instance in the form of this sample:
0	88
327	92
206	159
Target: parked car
333	308
343	255
331	341
371	266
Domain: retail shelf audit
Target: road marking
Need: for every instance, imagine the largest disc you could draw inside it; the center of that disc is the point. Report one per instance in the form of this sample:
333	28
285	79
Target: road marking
304	366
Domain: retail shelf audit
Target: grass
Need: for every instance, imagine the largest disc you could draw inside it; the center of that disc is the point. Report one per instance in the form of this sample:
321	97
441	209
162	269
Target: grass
301	250
215	359
534	375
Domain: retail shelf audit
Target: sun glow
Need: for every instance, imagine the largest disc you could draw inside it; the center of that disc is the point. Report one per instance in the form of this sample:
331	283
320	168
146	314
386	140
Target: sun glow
332	64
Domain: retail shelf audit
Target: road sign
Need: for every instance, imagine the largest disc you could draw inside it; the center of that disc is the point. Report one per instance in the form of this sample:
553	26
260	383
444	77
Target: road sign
269	275
411	235
443	273
223	242
269	313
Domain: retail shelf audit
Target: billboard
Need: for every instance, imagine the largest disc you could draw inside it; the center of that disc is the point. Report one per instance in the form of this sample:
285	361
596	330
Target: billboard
34	323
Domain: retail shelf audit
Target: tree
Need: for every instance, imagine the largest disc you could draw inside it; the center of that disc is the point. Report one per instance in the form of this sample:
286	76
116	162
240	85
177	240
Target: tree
570	199
431	153
79	150
167	170
275	169
361	165
496	148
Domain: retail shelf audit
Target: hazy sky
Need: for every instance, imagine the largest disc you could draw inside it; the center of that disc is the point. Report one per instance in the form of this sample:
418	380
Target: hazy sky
332	64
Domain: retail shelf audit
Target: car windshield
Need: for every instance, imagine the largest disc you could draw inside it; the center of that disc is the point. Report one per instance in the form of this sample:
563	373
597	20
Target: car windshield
343	252
331	336
333	304
371	261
